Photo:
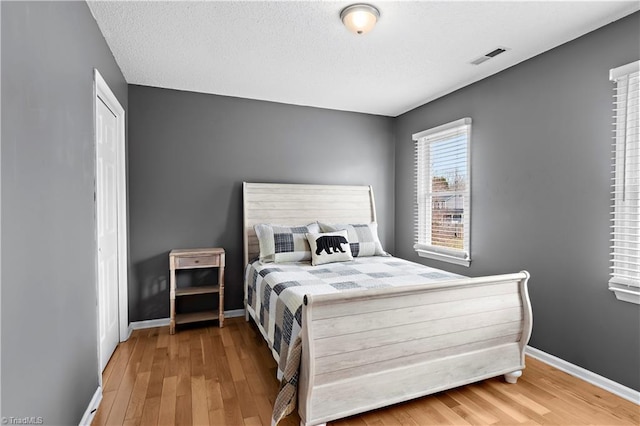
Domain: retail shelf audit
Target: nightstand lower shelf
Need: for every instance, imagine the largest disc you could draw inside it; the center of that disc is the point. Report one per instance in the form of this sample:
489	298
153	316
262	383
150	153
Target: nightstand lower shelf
189	291
196	317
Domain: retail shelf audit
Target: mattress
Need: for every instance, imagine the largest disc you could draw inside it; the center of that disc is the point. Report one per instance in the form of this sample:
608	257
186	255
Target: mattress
275	291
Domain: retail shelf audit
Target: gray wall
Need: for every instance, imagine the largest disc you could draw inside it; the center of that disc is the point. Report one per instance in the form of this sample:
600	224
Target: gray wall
49	337
541	166
189	154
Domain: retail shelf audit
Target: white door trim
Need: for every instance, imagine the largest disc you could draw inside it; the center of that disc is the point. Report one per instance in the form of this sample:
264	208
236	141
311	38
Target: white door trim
103	93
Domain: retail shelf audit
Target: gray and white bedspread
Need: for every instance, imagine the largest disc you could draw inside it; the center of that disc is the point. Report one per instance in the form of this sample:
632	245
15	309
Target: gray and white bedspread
275	291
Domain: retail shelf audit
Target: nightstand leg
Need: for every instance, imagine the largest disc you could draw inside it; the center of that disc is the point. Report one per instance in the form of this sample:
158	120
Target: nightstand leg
172	297
172	321
221	294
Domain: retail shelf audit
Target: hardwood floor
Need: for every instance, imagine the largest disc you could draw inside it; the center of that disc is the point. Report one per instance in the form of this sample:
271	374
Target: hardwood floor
209	375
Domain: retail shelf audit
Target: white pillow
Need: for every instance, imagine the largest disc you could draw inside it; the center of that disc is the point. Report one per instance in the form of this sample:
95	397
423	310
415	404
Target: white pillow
363	237
282	243
329	247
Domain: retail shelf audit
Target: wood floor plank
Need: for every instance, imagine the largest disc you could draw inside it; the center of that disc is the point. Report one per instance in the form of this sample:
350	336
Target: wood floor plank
265	408
121	402
102	414
512	394
137	354
572	416
226	376
238	342
146	362
353	421
208	357
214	395
120	365
138	396
628	410
197	361
508	396
476	413
163	338
129	379
254	381
216	417
245	399
131	422
252	421
232	413
228	391
451	416
403	417
576	387
173	348
184	348
199	405
489	409
156	378
220	359
237	373
168	400
417	411
183	410
225	333
150	412
597	415
108	369
184	376
483	392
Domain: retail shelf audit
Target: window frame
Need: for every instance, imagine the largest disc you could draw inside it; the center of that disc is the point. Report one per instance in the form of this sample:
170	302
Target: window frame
626	288
422	224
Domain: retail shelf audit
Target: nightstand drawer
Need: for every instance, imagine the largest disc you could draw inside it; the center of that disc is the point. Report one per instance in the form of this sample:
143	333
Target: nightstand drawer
197	261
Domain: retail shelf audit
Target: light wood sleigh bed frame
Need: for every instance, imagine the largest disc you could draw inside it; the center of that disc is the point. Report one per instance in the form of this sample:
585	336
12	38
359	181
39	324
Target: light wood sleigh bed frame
364	350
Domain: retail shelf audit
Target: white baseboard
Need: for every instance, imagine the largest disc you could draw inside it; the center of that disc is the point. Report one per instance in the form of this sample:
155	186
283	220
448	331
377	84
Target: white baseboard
92	408
139	325
235	313
162	322
586	375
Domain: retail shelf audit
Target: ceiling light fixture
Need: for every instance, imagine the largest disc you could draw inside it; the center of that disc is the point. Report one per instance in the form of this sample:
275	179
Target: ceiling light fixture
359	18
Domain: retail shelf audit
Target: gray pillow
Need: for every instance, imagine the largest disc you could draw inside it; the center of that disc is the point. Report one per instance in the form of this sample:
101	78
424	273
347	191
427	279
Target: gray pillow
283	243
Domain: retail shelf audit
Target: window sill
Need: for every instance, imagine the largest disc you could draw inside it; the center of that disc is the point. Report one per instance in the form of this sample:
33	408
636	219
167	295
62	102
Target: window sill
626	294
443	257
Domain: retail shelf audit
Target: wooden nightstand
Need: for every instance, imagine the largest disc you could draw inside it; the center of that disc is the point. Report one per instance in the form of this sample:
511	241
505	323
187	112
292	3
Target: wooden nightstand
193	259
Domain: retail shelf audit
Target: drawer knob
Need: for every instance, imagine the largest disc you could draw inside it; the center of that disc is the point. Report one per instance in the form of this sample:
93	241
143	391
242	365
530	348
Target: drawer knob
197	261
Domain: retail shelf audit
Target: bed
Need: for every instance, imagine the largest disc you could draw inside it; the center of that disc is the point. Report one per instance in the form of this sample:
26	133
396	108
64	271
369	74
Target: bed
373	345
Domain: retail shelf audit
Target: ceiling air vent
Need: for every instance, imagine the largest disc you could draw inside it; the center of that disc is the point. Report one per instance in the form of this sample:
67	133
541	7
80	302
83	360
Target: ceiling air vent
489	55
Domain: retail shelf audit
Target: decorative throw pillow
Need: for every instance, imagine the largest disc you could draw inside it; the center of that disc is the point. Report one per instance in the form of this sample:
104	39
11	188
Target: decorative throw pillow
329	247
362	237
281	243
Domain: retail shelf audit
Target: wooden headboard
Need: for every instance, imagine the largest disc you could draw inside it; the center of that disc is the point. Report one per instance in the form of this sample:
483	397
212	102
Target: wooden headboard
296	204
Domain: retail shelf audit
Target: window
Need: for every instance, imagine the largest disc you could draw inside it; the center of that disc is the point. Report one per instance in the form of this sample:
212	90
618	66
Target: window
443	192
625	229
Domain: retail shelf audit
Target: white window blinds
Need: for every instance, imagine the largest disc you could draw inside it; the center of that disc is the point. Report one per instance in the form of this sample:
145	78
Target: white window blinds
443	202
625	234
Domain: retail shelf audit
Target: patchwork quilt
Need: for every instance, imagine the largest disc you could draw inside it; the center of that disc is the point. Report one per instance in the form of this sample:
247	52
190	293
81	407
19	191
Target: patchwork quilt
275	291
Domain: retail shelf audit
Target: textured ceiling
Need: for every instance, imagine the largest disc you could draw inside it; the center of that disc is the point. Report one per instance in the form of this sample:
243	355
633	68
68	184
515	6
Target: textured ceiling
298	52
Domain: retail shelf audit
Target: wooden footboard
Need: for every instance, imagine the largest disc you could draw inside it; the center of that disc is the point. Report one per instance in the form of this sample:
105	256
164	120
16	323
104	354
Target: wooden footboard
365	350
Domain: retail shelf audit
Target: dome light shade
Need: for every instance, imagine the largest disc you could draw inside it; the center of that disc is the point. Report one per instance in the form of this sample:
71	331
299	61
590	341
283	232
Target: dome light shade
359	18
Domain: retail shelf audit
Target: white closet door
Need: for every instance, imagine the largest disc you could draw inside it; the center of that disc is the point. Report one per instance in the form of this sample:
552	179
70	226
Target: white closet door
107	230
